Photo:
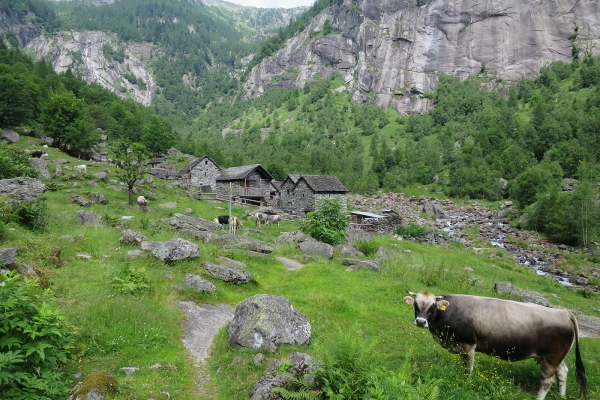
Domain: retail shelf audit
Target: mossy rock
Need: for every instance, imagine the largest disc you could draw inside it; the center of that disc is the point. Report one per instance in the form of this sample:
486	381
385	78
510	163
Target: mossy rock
95	386
29	272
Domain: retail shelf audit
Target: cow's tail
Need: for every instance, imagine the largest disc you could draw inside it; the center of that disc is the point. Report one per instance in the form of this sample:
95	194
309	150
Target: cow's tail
579	367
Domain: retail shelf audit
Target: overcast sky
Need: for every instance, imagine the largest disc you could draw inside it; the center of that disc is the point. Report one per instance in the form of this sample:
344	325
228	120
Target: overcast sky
273	3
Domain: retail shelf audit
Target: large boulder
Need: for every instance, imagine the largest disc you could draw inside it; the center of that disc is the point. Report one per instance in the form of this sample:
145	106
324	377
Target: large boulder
7	256
176	249
292	237
227	273
354	264
9	136
316	249
199	284
41	165
88	218
265	321
22	189
98	198
229	240
198	228
434	210
349	250
129	237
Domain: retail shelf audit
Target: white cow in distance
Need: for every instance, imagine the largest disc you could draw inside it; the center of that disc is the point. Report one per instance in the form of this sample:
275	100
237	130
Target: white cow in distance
274	219
82	169
142	203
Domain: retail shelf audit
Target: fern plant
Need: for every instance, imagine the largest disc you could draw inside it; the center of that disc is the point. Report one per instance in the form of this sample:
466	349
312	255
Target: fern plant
132	280
392	385
298	389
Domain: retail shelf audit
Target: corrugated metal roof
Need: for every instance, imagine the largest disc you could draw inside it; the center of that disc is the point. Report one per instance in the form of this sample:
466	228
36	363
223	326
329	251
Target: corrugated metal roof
367	214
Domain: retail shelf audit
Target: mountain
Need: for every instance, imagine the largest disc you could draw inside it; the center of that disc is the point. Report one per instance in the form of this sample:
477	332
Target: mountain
391	52
180	55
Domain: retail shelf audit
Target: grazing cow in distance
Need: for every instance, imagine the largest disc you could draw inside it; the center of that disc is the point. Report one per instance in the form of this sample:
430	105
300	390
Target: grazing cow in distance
233	222
142	203
261	218
506	329
36	153
275	219
81	168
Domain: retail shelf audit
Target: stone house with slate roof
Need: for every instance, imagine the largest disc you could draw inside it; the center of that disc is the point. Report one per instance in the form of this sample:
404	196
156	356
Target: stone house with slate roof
251	184
300	193
201	173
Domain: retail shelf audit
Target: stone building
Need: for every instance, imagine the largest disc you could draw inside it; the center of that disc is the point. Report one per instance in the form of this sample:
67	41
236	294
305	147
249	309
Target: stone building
300	193
201	173
375	223
251	184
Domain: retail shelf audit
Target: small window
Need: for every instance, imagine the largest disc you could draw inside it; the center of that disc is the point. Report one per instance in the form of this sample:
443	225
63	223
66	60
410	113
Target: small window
205	162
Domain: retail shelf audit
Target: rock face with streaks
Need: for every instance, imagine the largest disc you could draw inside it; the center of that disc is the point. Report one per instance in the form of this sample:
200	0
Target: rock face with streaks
83	53
390	52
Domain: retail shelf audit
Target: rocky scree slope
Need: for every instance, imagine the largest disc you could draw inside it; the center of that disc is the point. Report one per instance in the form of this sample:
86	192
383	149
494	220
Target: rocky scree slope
390	52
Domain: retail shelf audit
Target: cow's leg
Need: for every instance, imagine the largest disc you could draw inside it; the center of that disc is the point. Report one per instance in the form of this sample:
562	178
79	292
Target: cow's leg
468	355
548	372
561	373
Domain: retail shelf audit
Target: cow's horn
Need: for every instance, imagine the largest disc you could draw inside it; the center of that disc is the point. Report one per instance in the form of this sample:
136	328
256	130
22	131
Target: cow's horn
411	293
439	297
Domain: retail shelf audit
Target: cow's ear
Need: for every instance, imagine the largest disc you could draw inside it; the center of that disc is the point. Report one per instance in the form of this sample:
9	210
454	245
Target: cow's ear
409	300
442	305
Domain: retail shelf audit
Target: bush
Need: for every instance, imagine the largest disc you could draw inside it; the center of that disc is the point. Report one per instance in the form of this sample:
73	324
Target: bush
367	247
327	224
34	342
412	230
30	215
131	280
14	164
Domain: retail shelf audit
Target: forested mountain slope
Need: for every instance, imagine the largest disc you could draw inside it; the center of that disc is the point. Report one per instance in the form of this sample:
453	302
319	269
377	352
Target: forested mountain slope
393	51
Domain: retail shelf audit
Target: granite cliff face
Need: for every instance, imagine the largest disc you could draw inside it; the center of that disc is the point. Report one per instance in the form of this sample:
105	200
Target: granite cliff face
390	52
82	52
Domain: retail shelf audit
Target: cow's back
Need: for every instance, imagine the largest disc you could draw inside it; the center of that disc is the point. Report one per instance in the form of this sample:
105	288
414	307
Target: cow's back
507	329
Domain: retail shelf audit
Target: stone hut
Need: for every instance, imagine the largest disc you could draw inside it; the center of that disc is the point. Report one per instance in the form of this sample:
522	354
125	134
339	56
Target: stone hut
300	193
375	223
200	173
251	184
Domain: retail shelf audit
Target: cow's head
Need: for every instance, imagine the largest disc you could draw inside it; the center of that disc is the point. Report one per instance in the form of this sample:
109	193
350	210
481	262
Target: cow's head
426	306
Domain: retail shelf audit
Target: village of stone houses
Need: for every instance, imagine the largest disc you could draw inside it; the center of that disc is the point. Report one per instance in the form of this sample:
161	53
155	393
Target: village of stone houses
231	297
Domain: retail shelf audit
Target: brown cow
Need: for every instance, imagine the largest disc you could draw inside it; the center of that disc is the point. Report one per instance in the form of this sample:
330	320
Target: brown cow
506	329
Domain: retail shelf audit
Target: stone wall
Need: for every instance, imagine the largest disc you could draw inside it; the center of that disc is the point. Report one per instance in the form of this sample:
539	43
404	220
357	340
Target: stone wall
204	173
286	199
382	226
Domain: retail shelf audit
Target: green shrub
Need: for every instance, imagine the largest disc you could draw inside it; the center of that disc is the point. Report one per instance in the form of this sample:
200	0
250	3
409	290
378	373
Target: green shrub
34	342
347	362
111	220
132	280
367	247
14	163
30	215
412	230
328	223
588	294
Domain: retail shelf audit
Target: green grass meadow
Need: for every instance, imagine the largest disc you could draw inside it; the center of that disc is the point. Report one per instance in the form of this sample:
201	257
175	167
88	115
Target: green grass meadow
115	329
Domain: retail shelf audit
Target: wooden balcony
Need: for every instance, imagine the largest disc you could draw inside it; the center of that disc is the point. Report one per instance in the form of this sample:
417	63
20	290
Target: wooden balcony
251	192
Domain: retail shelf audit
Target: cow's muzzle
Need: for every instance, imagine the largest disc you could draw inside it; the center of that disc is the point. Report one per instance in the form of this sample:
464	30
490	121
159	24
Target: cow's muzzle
421	323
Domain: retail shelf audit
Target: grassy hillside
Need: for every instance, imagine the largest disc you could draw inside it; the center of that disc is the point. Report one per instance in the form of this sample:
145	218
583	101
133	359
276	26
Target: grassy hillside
115	329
